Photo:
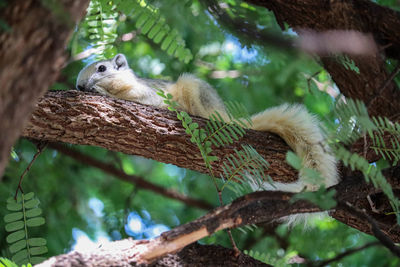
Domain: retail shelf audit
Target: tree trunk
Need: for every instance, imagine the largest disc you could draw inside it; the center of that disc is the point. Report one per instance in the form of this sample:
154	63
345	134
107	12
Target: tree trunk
32	54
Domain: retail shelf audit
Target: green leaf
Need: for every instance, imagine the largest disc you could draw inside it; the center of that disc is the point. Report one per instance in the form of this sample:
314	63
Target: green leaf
37	241
14	248
33	212
35	222
32	203
14	226
322	198
193	126
15	216
14	206
7	263
213	158
11	200
38	250
37	260
14	237
20	255
293	160
29	195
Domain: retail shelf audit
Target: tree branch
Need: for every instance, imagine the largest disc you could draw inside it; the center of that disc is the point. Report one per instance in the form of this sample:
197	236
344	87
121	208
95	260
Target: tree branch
88	119
133	179
384	239
133	128
250	209
254	208
369	85
122	253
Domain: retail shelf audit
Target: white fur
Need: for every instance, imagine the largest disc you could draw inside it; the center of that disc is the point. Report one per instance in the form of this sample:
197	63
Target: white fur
301	132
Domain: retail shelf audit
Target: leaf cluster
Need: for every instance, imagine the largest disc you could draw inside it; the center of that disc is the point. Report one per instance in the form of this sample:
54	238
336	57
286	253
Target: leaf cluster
354	122
25	214
101	22
4	262
243	169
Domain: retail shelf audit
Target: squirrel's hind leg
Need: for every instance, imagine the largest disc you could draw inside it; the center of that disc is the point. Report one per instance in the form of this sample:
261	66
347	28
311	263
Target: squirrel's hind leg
196	96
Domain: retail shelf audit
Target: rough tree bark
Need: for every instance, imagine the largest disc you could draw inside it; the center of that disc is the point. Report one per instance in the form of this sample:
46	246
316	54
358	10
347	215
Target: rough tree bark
373	84
88	119
32	54
122	254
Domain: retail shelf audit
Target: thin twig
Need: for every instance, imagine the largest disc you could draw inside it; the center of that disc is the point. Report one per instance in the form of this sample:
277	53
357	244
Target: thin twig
219	192
40	147
384	239
347	253
138	181
390	78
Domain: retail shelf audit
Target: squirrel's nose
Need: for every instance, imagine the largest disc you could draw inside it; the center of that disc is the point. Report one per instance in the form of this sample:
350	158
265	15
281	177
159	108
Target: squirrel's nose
80	87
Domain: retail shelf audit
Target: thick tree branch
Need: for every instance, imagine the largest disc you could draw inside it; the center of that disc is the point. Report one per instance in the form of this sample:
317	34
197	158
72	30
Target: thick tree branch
136	180
132	128
257	207
122	253
381	236
250	209
358	15
31	56
88	119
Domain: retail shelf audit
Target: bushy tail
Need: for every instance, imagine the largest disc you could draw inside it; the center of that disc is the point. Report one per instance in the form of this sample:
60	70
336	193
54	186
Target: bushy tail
301	132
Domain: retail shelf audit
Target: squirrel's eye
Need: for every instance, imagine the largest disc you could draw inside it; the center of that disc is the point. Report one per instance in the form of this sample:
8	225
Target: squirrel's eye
101	68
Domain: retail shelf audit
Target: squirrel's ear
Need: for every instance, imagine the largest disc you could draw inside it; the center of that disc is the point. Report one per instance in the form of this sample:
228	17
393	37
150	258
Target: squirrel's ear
120	62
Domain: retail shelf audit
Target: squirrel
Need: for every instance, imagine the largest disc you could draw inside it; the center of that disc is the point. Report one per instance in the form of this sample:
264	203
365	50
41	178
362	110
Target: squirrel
299	129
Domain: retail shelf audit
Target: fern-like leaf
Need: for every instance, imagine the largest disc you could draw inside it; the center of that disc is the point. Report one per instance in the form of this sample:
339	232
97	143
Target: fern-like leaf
371	173
101	22
347	63
354	121
152	23
384	126
25	214
243	170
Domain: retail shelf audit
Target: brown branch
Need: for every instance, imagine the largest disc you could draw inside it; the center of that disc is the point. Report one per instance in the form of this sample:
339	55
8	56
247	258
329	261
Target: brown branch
40	147
132	128
359	15
250	209
122	253
118	125
313	42
254	208
391	77
138	181
354	190
384	239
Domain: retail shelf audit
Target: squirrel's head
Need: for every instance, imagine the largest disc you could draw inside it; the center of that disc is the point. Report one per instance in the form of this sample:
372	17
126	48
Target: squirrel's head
98	75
